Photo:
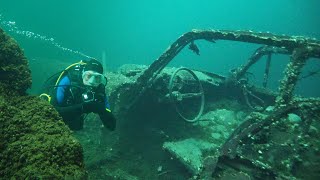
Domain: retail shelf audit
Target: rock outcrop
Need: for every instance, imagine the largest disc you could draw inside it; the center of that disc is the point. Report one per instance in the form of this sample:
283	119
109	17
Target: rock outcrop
34	141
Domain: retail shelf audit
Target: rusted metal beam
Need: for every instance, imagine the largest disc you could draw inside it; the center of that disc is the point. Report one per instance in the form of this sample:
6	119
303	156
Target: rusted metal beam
286	42
289	43
267	71
292	72
256	56
256	121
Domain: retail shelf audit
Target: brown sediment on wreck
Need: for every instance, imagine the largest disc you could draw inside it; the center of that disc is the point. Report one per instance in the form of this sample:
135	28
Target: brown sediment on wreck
34	141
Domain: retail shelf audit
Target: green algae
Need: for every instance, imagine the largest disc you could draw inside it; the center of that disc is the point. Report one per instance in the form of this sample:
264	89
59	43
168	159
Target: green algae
15	73
34	141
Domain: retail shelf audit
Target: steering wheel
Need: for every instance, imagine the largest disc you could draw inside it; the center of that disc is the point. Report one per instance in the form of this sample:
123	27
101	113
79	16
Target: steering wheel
176	96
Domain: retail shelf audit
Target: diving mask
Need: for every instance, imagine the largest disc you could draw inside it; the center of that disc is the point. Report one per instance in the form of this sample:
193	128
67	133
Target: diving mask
92	78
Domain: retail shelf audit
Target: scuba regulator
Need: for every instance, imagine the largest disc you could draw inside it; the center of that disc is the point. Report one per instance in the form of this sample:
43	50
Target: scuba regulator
94	94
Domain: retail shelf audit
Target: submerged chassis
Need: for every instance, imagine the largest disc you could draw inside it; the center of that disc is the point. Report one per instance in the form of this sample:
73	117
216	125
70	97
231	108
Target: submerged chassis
276	137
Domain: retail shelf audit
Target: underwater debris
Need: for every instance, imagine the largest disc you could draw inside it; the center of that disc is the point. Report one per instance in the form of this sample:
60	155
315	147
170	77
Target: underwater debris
189	152
267	71
177	96
298	59
210	40
194	48
286	44
256	123
256	56
254	140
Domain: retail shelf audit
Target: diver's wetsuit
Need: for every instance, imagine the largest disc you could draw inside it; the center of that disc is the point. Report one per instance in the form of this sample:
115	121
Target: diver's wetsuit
71	106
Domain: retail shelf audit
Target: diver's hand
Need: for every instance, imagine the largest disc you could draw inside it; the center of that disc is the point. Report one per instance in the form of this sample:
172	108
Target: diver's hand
108	120
93	106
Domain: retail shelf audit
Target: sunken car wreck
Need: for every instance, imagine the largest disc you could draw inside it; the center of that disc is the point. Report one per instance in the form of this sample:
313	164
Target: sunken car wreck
223	127
173	123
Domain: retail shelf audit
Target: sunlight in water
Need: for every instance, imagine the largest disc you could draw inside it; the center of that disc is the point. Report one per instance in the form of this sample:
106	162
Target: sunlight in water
12	27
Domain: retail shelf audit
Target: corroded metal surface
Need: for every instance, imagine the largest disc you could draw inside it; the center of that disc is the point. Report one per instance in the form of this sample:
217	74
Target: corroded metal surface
255	122
292	72
257	55
288	43
300	49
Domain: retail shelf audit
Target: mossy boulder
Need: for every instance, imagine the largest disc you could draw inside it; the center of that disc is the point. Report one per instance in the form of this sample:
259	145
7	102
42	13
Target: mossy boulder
15	75
34	141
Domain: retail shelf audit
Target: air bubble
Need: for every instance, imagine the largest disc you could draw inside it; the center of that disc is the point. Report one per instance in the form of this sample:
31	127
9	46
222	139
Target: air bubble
12	27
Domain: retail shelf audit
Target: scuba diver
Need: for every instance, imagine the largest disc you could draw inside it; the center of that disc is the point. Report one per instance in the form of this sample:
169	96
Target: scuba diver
79	90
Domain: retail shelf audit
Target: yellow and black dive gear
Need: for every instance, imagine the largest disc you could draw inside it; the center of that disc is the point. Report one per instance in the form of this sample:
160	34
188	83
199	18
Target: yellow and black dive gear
47	96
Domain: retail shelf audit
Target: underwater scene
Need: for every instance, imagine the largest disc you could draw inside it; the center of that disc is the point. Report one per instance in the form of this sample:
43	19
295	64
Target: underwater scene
160	90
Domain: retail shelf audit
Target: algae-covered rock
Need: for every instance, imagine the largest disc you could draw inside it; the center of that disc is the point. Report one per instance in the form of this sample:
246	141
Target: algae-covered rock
34	141
15	75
